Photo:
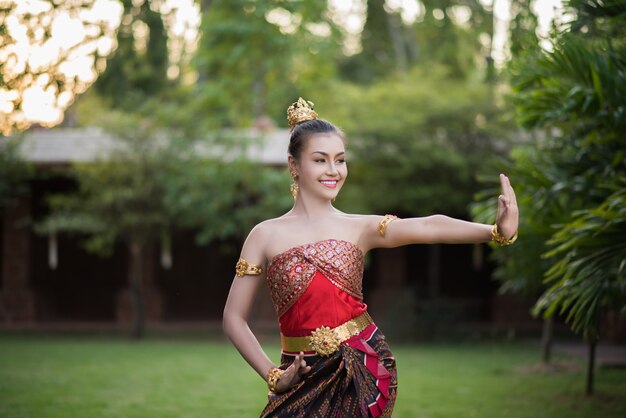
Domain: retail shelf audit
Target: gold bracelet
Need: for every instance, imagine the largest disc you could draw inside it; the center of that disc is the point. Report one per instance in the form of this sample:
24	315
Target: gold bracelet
244	268
382	226
499	238
273	376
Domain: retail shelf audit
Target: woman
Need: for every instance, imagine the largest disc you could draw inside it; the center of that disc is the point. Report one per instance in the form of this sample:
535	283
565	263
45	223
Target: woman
335	361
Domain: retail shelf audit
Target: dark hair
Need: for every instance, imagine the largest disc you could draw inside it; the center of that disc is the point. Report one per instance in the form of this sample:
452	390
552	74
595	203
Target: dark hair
303	130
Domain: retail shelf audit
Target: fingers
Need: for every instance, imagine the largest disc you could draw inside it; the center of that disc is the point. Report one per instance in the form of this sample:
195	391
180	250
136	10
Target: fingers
508	195
507	216
302	368
294	367
513	197
293	373
504	197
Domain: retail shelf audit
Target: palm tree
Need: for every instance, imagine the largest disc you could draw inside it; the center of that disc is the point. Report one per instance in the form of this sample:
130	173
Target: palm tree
579	92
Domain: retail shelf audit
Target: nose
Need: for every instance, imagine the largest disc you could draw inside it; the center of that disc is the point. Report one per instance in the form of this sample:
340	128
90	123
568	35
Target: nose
331	169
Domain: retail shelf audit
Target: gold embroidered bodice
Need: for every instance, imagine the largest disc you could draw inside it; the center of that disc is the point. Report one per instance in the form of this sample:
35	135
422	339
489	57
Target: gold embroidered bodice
290	273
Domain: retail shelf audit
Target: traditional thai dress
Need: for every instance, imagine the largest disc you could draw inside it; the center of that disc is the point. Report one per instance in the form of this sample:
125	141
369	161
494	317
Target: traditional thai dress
316	290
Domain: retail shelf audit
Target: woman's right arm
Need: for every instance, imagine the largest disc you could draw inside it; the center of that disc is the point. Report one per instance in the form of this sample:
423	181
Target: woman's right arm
236	313
237	310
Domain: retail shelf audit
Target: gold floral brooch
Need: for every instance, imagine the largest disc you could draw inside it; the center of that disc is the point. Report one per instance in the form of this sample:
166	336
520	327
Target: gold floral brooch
324	341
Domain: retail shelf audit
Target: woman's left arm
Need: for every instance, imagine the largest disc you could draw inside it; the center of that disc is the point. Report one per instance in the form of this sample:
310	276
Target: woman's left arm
441	229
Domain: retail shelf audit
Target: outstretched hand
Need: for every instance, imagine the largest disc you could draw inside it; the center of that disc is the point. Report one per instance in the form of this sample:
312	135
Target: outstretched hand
293	374
508	214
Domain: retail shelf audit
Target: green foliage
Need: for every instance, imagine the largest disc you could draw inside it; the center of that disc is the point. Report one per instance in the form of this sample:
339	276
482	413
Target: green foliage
134	73
381	52
522	30
390	45
223	198
416	141
598	18
578	87
589	275
249	67
36	57
121	195
14	172
154	181
455	45
573	183
520	268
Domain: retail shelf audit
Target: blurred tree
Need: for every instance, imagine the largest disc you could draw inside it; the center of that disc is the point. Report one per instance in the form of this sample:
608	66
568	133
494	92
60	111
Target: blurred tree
451	34
576	93
384	43
520	269
598	19
587	277
522	30
416	142
14	172
420	135
446	33
120	198
48	51
252	55
137	70
226	198
152	182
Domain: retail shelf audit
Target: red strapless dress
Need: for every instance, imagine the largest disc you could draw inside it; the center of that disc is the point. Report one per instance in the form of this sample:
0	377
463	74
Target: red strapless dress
322	304
320	284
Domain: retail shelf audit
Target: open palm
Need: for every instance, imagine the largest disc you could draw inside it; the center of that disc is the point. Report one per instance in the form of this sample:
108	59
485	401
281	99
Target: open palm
507	217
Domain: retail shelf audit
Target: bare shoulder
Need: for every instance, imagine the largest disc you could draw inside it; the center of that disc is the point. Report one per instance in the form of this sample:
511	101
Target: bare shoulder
359	219
366	225
364	221
262	237
269	225
254	246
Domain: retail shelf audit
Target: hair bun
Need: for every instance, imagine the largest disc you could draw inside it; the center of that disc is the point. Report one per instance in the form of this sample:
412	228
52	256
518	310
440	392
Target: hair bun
300	111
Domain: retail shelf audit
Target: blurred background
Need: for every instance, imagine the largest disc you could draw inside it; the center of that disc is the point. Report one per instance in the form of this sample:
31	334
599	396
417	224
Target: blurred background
140	140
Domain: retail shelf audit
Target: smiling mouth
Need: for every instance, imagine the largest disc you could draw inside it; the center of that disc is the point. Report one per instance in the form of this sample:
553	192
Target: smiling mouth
329	183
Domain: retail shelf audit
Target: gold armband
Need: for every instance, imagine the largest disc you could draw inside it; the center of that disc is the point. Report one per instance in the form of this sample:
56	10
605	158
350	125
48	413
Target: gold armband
272	378
382	226
244	268
499	238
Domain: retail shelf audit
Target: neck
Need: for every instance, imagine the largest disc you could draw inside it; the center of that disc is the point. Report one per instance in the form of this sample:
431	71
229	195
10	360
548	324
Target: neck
311	208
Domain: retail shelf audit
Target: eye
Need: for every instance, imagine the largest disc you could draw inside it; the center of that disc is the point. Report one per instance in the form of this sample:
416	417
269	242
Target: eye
341	161
319	160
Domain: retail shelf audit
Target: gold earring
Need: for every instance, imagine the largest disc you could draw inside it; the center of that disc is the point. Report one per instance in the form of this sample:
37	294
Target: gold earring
294	185
294	189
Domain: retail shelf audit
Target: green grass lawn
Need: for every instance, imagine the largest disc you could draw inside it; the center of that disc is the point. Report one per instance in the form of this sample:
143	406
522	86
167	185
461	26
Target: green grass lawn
110	377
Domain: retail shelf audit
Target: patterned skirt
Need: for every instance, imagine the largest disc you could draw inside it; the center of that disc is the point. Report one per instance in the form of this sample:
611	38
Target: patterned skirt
358	380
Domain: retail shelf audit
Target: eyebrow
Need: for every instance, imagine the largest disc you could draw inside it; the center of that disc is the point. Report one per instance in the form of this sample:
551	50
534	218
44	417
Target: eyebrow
326	155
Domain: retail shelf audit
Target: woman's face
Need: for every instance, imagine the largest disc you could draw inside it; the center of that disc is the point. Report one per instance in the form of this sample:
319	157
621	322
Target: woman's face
322	166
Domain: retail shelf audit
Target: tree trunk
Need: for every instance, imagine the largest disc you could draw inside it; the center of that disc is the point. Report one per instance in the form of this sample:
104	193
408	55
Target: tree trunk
591	364
136	288
395	33
205	4
412	48
491	70
547	335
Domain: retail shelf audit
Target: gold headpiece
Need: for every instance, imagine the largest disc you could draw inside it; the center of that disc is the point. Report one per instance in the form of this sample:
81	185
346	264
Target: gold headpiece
300	111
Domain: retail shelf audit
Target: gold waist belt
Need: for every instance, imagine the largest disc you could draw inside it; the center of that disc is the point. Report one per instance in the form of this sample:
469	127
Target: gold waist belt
325	340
